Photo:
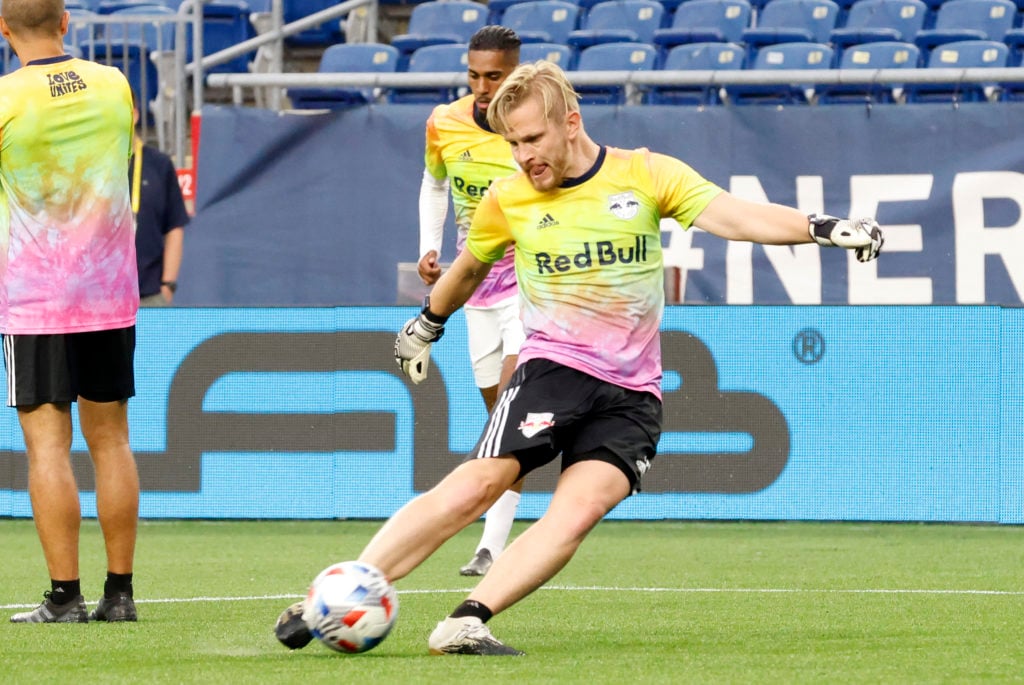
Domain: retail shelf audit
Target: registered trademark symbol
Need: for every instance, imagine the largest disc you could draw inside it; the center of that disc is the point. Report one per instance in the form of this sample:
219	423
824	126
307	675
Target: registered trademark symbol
809	346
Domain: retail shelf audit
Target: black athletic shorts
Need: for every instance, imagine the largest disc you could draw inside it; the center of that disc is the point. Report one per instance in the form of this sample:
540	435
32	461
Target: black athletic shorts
42	369
549	409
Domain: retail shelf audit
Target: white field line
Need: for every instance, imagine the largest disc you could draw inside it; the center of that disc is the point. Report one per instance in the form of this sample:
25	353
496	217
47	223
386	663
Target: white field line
603	588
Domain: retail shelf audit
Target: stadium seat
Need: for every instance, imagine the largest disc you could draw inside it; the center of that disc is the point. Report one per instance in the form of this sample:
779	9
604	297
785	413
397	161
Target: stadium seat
880	55
791	21
959	55
433	59
111	6
552	52
618	21
782	56
496	9
542	21
880	20
226	23
968	20
440	22
346	58
157	35
696	56
81	27
1014	40
324	34
701	21
614	57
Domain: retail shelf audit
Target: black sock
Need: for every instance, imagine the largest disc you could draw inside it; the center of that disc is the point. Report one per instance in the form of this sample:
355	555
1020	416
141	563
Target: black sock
473	608
117	582
64	591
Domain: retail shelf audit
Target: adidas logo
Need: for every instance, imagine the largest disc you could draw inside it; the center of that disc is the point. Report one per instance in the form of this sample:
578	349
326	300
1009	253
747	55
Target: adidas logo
547	222
466	157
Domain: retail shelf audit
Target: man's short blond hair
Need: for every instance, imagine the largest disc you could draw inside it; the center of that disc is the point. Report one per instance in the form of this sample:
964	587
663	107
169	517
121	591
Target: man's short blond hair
33	17
542	78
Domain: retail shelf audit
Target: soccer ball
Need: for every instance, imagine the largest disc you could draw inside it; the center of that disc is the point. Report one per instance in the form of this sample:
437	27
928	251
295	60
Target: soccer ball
351	607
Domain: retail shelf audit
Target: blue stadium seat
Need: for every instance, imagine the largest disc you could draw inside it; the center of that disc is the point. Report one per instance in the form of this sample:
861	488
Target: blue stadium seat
618	21
880	20
346	58
111	6
433	58
552	52
496	9
226	23
782	56
791	21
968	20
81	27
542	21
613	57
324	34
1014	40
696	56
880	55
440	22
155	35
701	21
959	55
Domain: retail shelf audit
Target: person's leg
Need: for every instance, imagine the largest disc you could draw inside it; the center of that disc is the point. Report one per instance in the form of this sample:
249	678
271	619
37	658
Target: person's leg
416	530
105	427
51	485
586	491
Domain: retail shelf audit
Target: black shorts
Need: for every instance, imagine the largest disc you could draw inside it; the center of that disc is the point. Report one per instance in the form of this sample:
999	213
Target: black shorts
549	409
43	369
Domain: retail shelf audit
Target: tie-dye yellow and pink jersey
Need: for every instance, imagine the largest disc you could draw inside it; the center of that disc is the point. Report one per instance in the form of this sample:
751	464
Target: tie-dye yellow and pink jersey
471	158
588	259
67	243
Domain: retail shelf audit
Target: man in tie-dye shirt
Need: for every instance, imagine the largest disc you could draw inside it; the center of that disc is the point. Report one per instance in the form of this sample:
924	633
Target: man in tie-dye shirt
584	219
68	297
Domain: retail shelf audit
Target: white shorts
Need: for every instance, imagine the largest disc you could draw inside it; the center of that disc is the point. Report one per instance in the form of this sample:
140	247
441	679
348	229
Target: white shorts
494	333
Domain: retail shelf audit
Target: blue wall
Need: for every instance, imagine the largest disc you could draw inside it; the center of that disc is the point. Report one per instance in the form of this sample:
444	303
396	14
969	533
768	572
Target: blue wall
817	413
318	209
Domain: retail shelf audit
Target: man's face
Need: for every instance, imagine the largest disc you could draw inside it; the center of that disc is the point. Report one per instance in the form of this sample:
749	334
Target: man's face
488	69
540	146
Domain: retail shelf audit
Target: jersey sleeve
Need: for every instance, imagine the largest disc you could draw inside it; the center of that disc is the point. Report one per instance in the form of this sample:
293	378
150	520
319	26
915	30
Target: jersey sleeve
432	157
490	232
682	193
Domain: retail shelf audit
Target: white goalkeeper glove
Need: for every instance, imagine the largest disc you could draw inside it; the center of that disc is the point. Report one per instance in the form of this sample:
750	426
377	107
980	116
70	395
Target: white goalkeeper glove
861	235
412	346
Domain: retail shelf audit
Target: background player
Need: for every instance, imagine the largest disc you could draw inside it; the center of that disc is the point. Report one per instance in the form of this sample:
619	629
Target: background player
68	297
464	155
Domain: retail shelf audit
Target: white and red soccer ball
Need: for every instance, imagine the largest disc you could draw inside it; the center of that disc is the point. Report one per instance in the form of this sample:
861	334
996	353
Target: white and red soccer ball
350	607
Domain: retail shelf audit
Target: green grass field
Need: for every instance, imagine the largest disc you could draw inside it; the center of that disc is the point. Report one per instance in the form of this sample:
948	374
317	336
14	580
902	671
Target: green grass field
655	602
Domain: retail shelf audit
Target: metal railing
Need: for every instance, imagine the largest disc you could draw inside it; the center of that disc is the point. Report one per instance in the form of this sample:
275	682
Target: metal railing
634	81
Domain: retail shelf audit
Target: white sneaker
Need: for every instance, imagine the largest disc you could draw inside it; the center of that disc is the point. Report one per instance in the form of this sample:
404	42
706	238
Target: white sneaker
467	635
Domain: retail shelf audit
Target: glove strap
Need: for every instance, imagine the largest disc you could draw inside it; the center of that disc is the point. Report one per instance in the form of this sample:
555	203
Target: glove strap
430	316
820	228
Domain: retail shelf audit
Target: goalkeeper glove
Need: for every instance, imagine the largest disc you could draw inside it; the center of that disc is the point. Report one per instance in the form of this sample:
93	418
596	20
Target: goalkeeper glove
861	235
412	346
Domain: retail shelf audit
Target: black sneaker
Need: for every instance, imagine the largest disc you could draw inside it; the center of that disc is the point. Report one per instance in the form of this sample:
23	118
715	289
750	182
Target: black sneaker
48	612
120	607
291	630
467	635
478	565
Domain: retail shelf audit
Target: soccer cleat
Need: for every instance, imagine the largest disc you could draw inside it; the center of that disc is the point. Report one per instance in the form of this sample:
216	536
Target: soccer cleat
291	630
48	612
467	635
479	564
120	607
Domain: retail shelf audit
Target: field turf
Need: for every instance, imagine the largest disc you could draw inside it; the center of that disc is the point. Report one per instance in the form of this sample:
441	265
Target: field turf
658	602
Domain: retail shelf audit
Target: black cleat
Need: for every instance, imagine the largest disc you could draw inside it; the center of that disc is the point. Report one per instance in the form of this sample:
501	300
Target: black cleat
48	612
291	630
120	607
478	565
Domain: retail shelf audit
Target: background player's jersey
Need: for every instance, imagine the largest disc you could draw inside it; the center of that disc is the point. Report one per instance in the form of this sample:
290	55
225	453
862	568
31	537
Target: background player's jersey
67	244
471	158
589	263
